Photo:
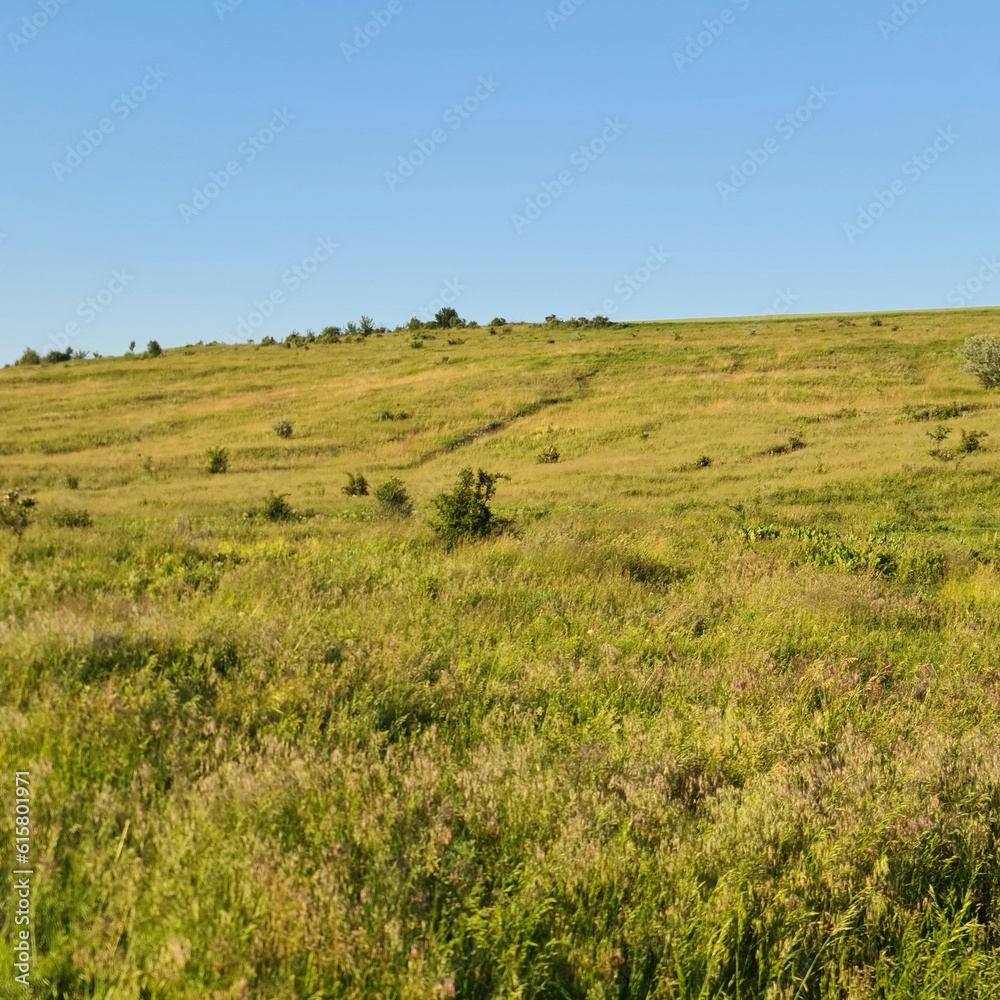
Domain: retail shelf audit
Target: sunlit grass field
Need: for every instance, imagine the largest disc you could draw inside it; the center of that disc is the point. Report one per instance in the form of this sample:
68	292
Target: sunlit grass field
719	717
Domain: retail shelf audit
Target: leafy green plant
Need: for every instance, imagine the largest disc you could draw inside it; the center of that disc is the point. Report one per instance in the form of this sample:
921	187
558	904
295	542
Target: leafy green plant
72	482
980	356
971	441
30	357
73	519
448	318
357	485
939	435
277	508
549	456
794	444
15	512
218	461
393	499
284	429
153	349
465	512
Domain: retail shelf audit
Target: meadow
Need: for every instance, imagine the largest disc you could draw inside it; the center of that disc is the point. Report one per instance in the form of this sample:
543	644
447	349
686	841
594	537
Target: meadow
717	716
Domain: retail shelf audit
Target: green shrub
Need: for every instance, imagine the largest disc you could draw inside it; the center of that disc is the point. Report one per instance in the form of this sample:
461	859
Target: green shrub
980	356
549	456
73	519
30	357
284	429
971	441
72	482
153	349
393	500
15	512
277	508
357	486
465	513
448	318
794	444
218	461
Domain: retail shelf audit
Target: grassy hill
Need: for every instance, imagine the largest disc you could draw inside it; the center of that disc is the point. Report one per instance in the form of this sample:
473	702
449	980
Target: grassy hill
718	718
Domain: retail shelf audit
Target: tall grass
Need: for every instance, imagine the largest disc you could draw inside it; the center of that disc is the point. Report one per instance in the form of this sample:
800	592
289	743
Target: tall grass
725	735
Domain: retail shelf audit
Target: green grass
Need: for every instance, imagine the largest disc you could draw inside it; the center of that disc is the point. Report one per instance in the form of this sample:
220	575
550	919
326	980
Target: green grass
687	731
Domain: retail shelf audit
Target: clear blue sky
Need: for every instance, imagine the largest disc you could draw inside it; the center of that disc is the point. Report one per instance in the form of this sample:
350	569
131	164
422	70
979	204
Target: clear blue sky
330	123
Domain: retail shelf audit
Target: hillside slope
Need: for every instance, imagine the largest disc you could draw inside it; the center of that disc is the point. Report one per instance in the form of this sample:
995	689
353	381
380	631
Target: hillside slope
718	717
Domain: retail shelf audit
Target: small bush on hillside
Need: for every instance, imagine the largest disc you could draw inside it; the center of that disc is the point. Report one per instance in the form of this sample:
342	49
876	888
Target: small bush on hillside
153	349
971	441
72	482
15	512
465	513
942	411
218	461
284	429
981	357
549	456
73	519
387	415
448	318
498	321
277	508
393	500
357	486
58	357
30	357
794	444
